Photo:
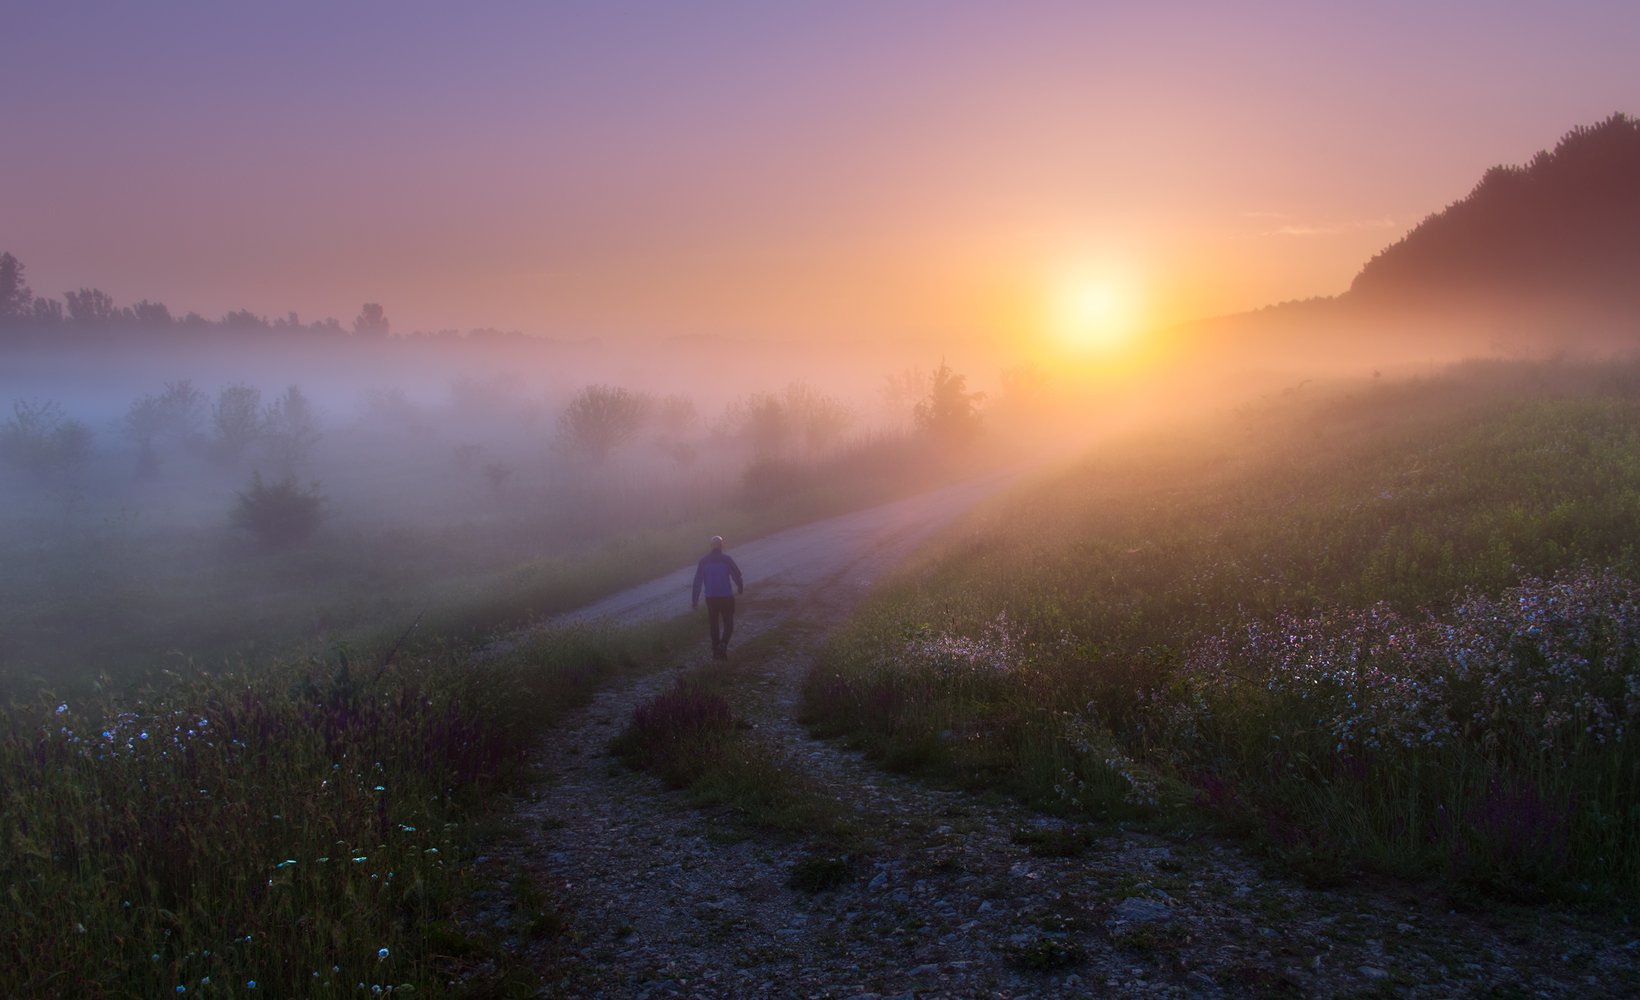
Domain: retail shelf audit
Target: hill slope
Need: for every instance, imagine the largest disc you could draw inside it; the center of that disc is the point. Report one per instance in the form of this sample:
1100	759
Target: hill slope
1563	228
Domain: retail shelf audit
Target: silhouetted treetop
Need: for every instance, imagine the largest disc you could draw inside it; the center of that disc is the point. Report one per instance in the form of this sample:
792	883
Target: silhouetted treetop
1565	225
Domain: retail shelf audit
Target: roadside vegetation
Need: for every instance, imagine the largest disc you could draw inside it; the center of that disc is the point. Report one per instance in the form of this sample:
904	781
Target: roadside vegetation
303	830
694	737
1391	627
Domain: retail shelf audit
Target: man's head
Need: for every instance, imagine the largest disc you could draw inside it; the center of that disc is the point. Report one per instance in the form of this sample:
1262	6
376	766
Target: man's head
717	543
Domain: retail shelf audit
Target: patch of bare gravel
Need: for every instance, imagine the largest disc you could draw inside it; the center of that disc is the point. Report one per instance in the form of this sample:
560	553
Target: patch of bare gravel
938	899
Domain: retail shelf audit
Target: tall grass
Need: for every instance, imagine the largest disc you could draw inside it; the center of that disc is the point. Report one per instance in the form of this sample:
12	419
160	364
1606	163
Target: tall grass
1389	629
295	831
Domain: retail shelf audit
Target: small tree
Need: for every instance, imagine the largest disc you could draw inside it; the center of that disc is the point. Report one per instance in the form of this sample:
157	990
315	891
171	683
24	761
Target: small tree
40	438
181	410
372	322
281	515
15	297
142	422
237	418
949	412
290	427
600	419
90	307
763	422
818	418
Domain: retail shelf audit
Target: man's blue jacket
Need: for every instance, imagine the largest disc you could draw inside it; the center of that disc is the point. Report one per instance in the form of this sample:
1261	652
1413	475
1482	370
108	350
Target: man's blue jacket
718	574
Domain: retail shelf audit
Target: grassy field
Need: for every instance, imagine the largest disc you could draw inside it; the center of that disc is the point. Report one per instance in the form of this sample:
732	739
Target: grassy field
294	831
1389	627
299	823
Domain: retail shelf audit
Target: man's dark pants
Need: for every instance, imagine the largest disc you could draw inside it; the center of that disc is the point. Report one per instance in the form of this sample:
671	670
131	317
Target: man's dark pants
720	619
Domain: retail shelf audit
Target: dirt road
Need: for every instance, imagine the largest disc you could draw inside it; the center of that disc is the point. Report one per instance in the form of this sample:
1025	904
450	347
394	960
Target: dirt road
848	552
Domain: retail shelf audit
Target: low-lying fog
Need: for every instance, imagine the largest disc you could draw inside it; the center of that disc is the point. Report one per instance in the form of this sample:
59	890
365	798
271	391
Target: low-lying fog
162	504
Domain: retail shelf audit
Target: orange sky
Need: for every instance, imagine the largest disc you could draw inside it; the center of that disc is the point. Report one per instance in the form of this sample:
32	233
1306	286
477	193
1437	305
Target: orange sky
871	170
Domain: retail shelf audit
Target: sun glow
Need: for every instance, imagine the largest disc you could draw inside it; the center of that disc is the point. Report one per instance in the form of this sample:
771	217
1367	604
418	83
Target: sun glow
1094	313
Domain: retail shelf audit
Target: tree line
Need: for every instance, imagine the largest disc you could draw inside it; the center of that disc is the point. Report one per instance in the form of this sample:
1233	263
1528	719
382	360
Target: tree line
1567	222
91	313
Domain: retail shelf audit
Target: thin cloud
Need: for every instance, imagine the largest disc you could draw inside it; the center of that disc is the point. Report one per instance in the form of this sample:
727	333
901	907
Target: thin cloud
1336	229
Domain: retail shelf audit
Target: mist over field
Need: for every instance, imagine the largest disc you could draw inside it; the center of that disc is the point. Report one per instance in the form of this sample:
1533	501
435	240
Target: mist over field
434	468
1177	471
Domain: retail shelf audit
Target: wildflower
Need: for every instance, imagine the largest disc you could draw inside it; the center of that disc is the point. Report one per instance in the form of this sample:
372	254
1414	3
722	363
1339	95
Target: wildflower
62	708
380	955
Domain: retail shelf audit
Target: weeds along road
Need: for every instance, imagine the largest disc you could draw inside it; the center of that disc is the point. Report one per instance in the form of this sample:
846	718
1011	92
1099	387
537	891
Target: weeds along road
850	551
609	885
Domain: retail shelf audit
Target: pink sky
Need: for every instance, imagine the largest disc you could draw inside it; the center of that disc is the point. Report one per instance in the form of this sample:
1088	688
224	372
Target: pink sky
872	170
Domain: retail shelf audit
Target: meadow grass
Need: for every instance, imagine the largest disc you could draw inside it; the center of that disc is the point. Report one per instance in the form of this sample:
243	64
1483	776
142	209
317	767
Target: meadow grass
301	830
1389	628
694	739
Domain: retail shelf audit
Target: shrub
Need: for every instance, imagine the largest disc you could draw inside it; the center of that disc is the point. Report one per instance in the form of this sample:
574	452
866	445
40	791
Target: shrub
279	515
600	419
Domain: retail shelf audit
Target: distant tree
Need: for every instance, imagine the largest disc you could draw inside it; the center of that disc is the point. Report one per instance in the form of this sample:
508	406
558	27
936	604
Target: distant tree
15	297
152	315
90	307
143	422
237	419
762	422
599	419
243	319
46	312
290	428
371	322
899	393
390	409
817	418
181	410
41	438
677	414
949	412
280	515
497	473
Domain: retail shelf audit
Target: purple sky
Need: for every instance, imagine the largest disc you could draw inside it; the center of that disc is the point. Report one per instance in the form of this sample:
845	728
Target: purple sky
785	170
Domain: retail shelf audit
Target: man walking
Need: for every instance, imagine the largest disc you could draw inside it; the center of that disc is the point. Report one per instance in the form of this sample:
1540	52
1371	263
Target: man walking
718	575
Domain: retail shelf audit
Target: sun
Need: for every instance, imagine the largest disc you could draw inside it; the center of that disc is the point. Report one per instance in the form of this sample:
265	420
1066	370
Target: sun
1093	314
